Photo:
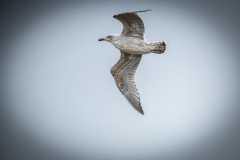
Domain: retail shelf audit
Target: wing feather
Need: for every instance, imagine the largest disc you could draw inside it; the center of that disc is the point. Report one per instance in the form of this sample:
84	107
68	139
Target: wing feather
133	25
124	74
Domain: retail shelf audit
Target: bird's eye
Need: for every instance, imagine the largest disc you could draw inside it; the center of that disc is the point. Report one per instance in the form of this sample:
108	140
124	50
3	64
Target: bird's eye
108	36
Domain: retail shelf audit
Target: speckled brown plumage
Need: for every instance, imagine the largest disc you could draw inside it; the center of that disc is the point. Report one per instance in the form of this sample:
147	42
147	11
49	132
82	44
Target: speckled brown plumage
132	46
124	73
133	25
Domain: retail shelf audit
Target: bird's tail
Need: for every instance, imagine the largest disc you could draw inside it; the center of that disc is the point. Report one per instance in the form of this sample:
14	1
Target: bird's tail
158	47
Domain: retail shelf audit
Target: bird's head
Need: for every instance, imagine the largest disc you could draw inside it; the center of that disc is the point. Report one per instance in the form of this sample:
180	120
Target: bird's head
109	38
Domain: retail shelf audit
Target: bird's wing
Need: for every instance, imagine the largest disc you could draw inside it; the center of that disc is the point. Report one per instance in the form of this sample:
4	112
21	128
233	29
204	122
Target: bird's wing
124	73
133	25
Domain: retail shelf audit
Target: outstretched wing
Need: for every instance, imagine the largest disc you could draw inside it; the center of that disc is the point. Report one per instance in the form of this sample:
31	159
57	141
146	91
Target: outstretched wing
124	73
133	25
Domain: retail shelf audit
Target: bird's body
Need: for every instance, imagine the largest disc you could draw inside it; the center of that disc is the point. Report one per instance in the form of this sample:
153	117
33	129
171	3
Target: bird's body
132	44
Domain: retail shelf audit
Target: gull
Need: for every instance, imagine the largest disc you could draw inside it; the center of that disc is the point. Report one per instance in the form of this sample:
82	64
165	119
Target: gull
132	45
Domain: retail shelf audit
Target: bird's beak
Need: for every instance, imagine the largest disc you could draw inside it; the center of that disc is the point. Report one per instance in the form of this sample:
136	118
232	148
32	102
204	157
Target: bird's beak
101	39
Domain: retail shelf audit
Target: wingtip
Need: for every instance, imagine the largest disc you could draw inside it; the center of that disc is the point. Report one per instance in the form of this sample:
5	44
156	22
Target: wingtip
140	111
132	12
144	10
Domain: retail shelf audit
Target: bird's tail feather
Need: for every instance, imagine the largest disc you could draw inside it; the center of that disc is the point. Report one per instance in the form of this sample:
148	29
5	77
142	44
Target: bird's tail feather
158	47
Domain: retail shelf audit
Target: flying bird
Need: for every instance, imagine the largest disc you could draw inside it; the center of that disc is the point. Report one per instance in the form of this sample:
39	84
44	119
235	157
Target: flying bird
132	45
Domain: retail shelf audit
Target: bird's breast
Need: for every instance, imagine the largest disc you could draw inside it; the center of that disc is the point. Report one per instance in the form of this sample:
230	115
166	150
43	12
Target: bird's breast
133	46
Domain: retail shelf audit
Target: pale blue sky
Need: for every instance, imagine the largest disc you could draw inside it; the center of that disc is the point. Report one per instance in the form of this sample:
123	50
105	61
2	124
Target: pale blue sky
59	89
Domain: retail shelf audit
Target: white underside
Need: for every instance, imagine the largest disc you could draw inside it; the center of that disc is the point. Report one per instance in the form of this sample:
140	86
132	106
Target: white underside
132	46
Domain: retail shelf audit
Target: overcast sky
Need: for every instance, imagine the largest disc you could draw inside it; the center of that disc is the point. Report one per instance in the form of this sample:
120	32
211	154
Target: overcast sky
60	101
